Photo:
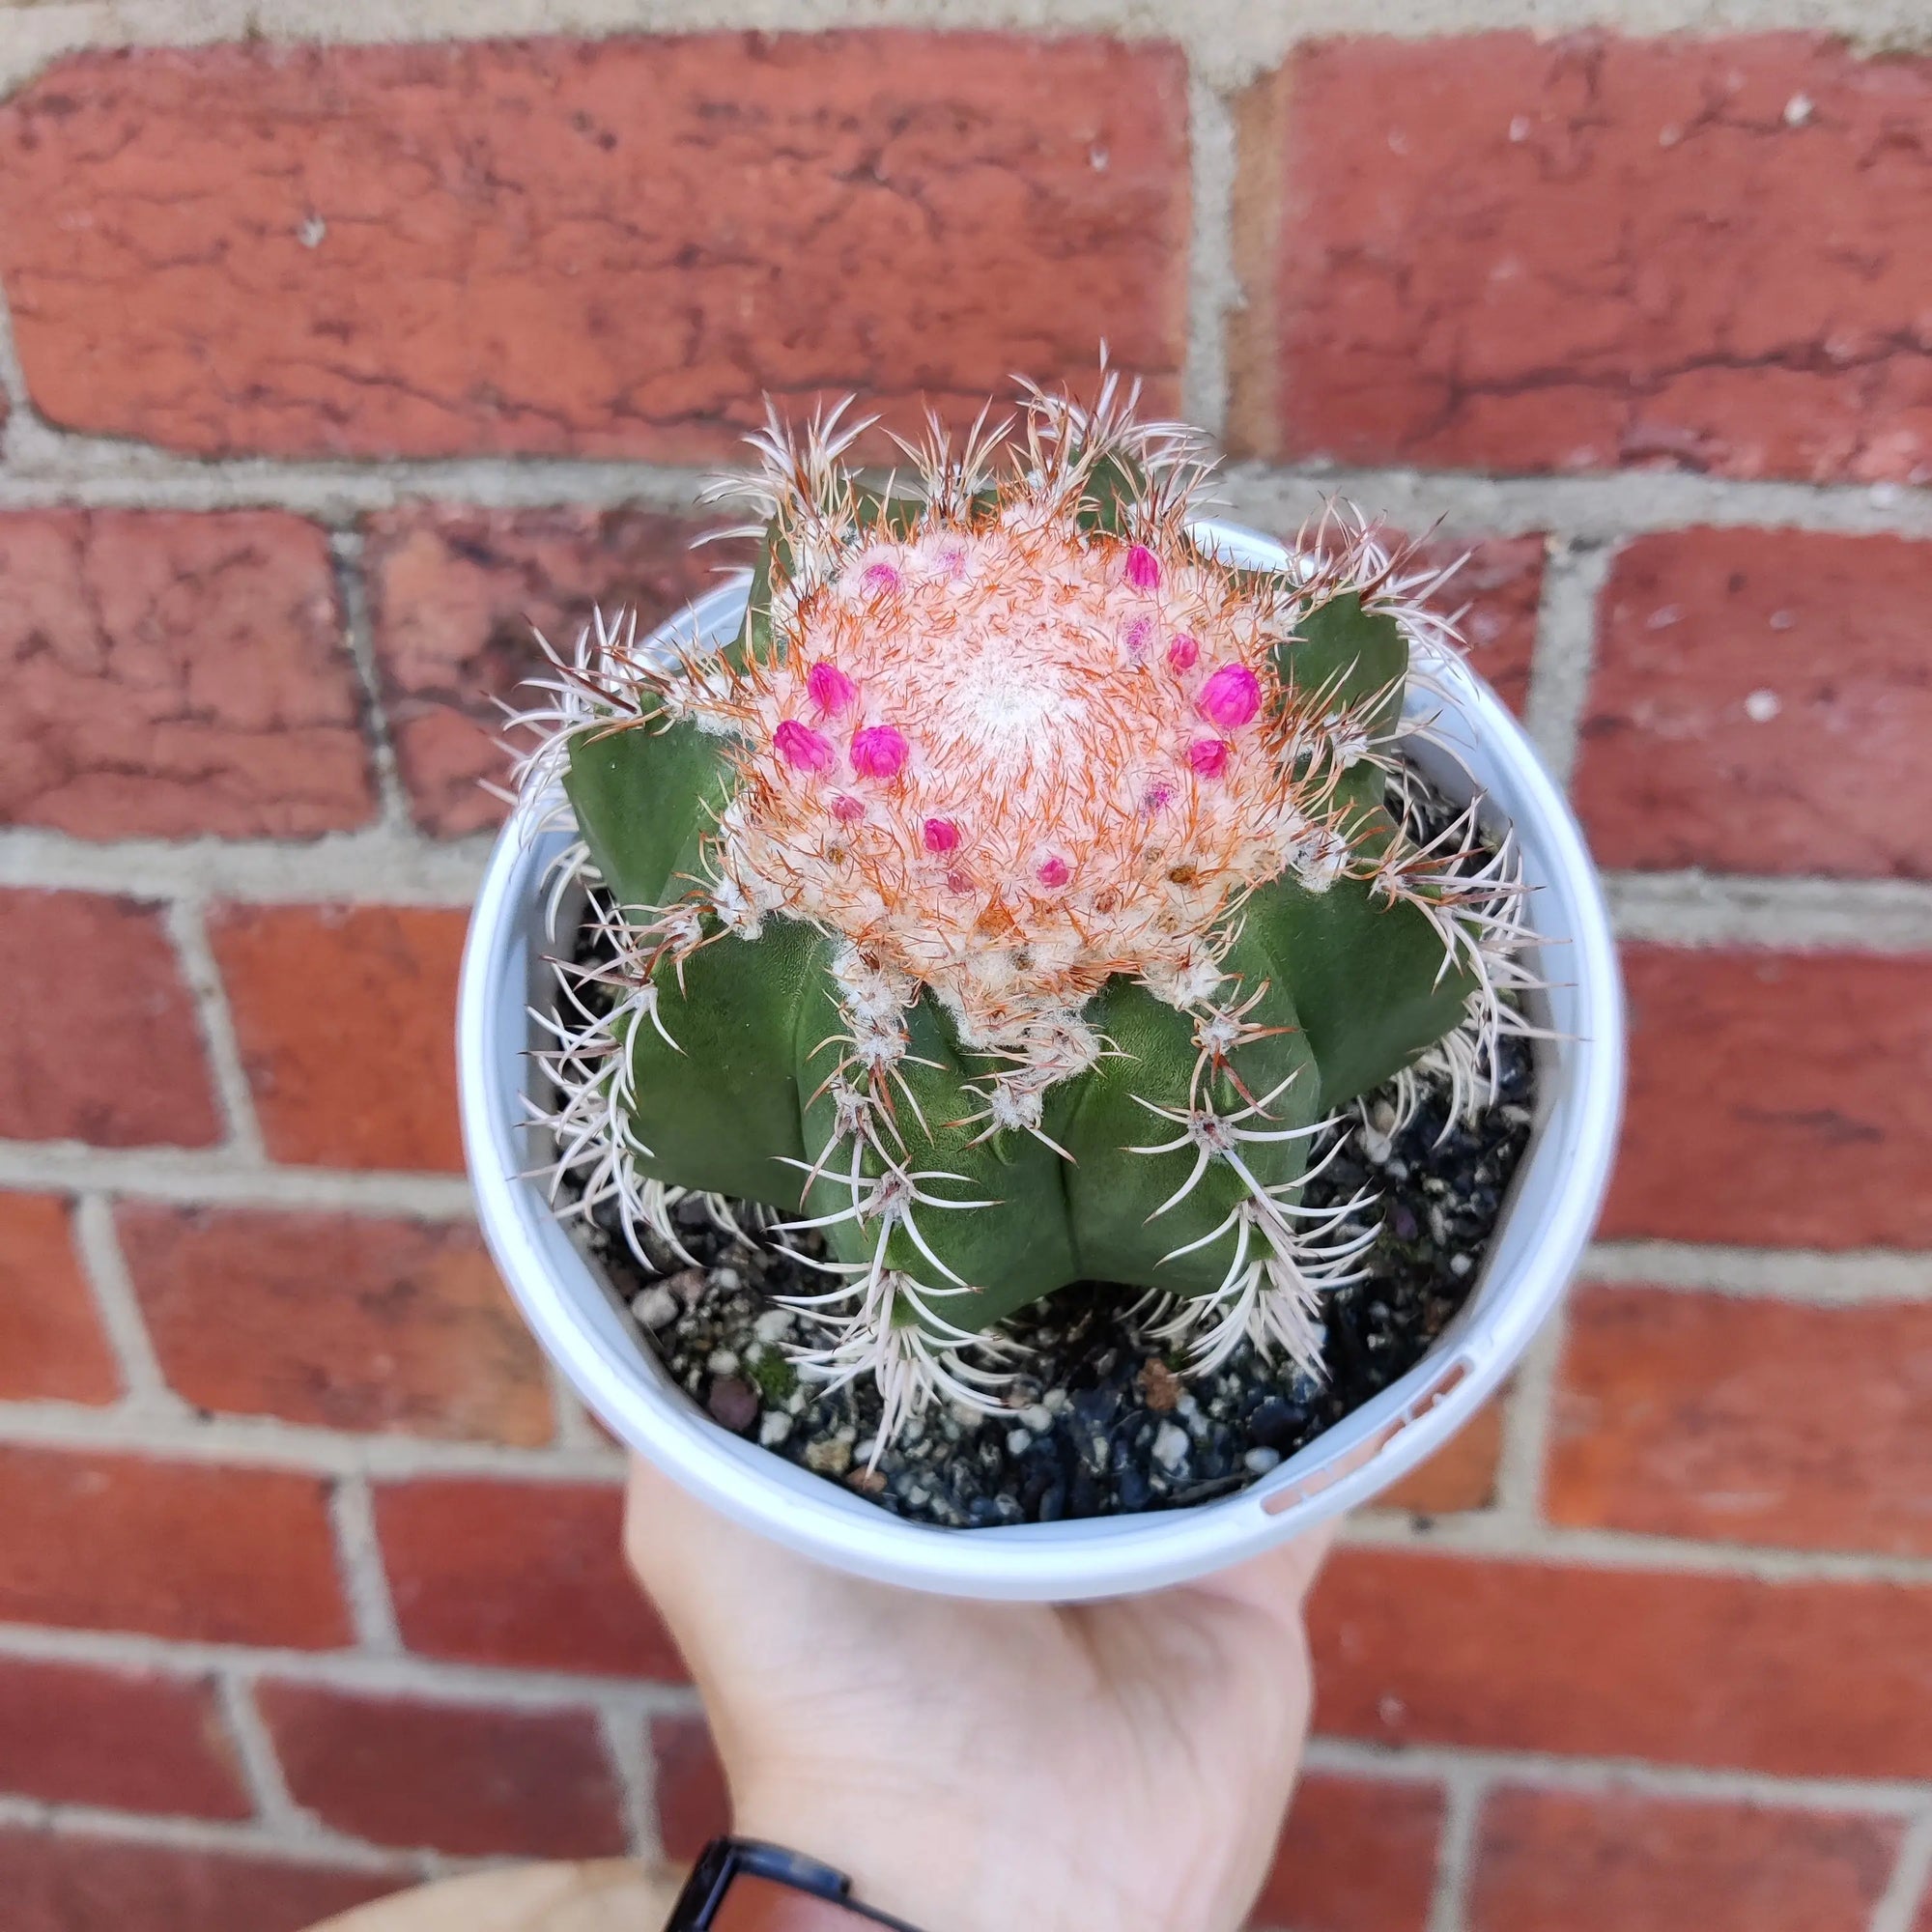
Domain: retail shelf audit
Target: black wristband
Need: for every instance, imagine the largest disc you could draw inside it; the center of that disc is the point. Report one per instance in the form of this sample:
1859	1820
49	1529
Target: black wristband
743	1885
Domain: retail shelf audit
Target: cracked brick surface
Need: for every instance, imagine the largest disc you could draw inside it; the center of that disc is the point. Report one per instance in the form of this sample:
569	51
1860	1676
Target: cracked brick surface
455	596
1496	252
169	674
607	248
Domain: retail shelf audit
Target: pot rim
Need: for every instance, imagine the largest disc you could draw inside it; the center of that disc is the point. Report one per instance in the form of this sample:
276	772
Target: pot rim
1532	1255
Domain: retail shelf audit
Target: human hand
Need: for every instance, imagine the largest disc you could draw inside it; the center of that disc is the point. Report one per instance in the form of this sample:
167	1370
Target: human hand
990	1767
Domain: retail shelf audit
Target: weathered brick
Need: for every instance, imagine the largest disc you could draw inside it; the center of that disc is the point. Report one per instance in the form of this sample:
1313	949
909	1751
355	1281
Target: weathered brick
1462	1475
454	598
1701	1416
607	248
454	1778
1777	1099
1502	251
1498	590
180	1550
1813	1678
529	1574
347	1022
170	674
98	1039
51	1347
1358	1855
335	1319
1614	1860
78	1882
694	1801
1760	702
71	1734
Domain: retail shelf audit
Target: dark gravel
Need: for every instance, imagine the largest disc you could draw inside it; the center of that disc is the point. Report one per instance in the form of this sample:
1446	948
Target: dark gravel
1101	1422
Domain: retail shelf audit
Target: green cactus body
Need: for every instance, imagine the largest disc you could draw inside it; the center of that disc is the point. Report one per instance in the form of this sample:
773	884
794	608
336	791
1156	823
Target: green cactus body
1015	901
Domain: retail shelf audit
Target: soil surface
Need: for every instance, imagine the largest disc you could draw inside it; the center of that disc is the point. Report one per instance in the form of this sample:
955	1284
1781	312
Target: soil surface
1101	1420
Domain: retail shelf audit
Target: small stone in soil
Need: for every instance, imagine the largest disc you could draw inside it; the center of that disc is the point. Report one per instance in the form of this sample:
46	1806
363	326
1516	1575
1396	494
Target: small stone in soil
733	1403
1161	1386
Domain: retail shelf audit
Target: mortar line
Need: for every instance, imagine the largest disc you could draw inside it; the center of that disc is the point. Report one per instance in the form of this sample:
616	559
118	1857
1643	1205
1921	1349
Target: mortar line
1522	1464
178	1434
1551	1771
1911	1884
1804	1276
1700	909
574	1427
358	1556
276	1809
345	551
1606	506
1574	577
204	1834
145	1391
1463	1791
1212	284
635	1766
186	921
355	1672
221	1179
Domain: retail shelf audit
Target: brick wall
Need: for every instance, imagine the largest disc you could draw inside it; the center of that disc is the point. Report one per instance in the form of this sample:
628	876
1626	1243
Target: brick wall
328	367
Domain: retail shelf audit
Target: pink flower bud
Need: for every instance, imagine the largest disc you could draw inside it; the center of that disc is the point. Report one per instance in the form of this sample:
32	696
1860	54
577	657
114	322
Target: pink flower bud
800	746
940	835
879	751
1159	796
830	689
846	809
1053	871
877	576
1183	654
1208	756
1142	567
1138	635
959	882
1231	698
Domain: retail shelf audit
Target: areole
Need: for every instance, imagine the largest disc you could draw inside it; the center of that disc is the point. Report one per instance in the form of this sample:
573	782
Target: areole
1538	1242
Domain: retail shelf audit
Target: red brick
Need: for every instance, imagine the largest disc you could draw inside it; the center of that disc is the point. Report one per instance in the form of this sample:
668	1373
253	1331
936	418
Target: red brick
347	1021
336	1320
453	1777
1358	1855
169	674
99	1038
1498	590
1501	251
51	1347
1760	702
75	1882
1816	1678
1704	1415
1462	1475
607	248
529	1574
1616	1861
180	1550
454	598
70	1734
693	1800
1777	1099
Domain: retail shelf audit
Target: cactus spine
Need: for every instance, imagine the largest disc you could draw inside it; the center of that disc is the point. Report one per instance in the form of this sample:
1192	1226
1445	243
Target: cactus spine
1017	899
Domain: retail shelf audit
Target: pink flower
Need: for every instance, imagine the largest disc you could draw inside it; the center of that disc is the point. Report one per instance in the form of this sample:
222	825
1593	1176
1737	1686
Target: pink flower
1183	654
1231	698
1054	870
1142	567
1210	756
940	835
830	689
800	746
879	751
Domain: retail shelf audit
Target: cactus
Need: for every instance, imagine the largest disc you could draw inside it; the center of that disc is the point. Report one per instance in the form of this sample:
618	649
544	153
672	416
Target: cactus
1017	899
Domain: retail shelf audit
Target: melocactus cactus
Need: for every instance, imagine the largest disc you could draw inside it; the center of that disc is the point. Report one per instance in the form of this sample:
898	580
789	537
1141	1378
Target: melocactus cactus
1020	892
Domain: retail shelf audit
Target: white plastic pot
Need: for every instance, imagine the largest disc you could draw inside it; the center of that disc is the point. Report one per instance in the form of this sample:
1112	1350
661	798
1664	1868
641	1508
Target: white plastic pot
1551	1209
